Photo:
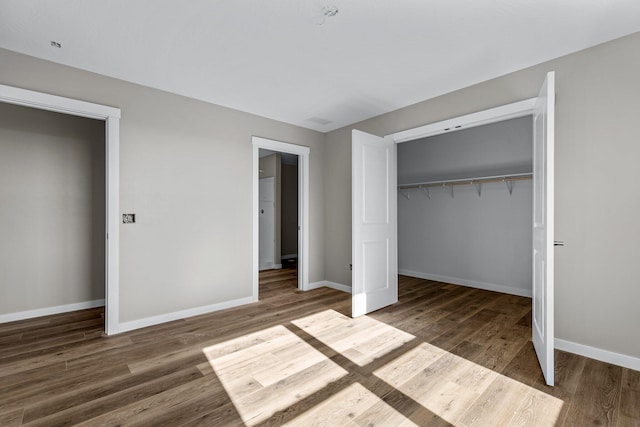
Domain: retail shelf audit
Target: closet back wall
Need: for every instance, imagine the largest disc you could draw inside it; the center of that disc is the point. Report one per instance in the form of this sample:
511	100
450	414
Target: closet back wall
52	209
480	241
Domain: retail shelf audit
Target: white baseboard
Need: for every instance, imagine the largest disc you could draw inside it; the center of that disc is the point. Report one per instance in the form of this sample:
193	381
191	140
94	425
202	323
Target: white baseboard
599	354
469	283
286	257
328	284
271	266
47	311
168	317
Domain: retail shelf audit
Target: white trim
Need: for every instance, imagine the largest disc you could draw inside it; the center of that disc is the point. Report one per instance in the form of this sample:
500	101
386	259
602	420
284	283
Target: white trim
59	104
112	242
303	206
111	116
47	311
328	284
470	283
623	360
182	314
337	286
492	115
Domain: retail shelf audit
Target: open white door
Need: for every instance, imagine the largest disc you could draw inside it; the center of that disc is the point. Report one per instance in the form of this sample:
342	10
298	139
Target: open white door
543	184
374	218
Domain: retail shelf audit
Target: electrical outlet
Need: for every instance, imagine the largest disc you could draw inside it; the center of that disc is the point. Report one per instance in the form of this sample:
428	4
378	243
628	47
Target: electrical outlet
128	218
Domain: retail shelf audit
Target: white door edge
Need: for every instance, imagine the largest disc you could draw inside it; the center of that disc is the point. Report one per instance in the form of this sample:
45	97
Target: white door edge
542	321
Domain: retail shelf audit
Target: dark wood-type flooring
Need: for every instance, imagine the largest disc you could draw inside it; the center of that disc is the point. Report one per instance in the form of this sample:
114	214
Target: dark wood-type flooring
444	355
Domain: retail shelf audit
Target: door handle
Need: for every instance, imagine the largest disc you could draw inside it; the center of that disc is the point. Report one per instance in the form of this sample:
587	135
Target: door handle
558	243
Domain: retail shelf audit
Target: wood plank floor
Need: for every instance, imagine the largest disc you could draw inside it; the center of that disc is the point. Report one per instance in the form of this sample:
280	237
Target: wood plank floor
444	355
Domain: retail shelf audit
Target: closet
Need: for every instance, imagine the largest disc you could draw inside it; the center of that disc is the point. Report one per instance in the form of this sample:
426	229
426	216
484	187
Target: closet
465	207
52	216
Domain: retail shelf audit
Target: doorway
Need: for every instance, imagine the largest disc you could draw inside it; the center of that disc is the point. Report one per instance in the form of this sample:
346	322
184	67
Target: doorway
465	207
281	237
278	223
52	217
374	221
111	117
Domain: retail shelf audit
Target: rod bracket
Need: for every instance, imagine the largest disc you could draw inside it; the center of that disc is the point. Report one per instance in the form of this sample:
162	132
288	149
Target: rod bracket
425	190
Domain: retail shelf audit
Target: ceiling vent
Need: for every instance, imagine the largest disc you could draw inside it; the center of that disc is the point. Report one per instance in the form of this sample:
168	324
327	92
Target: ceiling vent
319	120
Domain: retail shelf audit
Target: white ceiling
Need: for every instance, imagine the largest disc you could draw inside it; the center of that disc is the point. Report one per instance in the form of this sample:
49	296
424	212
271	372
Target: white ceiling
271	58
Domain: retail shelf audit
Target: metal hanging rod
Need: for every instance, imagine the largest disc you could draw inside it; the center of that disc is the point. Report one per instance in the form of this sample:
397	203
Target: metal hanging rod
468	181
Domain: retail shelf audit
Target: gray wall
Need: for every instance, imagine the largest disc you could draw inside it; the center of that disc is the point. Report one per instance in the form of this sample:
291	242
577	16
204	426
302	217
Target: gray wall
475	241
186	169
52	209
596	201
493	149
289	210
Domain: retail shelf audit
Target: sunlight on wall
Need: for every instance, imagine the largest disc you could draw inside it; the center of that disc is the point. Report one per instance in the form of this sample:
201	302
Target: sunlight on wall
274	373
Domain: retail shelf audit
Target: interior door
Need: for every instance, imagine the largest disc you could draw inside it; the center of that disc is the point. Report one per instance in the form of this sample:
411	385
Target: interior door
266	223
374	222
543	184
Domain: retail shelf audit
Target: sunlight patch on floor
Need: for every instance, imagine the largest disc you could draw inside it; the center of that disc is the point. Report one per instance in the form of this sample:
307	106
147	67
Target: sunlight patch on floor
269	371
275	373
455	389
464	393
354	405
361	340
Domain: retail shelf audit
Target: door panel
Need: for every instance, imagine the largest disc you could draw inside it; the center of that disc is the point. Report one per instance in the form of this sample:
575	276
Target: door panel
376	274
374	221
266	224
375	194
543	227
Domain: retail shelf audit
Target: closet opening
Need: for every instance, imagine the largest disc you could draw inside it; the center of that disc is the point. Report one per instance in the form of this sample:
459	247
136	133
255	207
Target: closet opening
374	211
465	207
53	216
79	217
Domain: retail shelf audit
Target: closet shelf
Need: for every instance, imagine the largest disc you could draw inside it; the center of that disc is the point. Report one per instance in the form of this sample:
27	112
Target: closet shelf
467	181
477	182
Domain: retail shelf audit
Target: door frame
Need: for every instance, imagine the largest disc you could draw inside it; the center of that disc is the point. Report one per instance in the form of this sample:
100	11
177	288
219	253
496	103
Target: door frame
303	206
484	117
492	115
111	117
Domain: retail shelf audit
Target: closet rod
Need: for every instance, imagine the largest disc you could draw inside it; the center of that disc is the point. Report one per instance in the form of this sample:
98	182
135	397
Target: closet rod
468	181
